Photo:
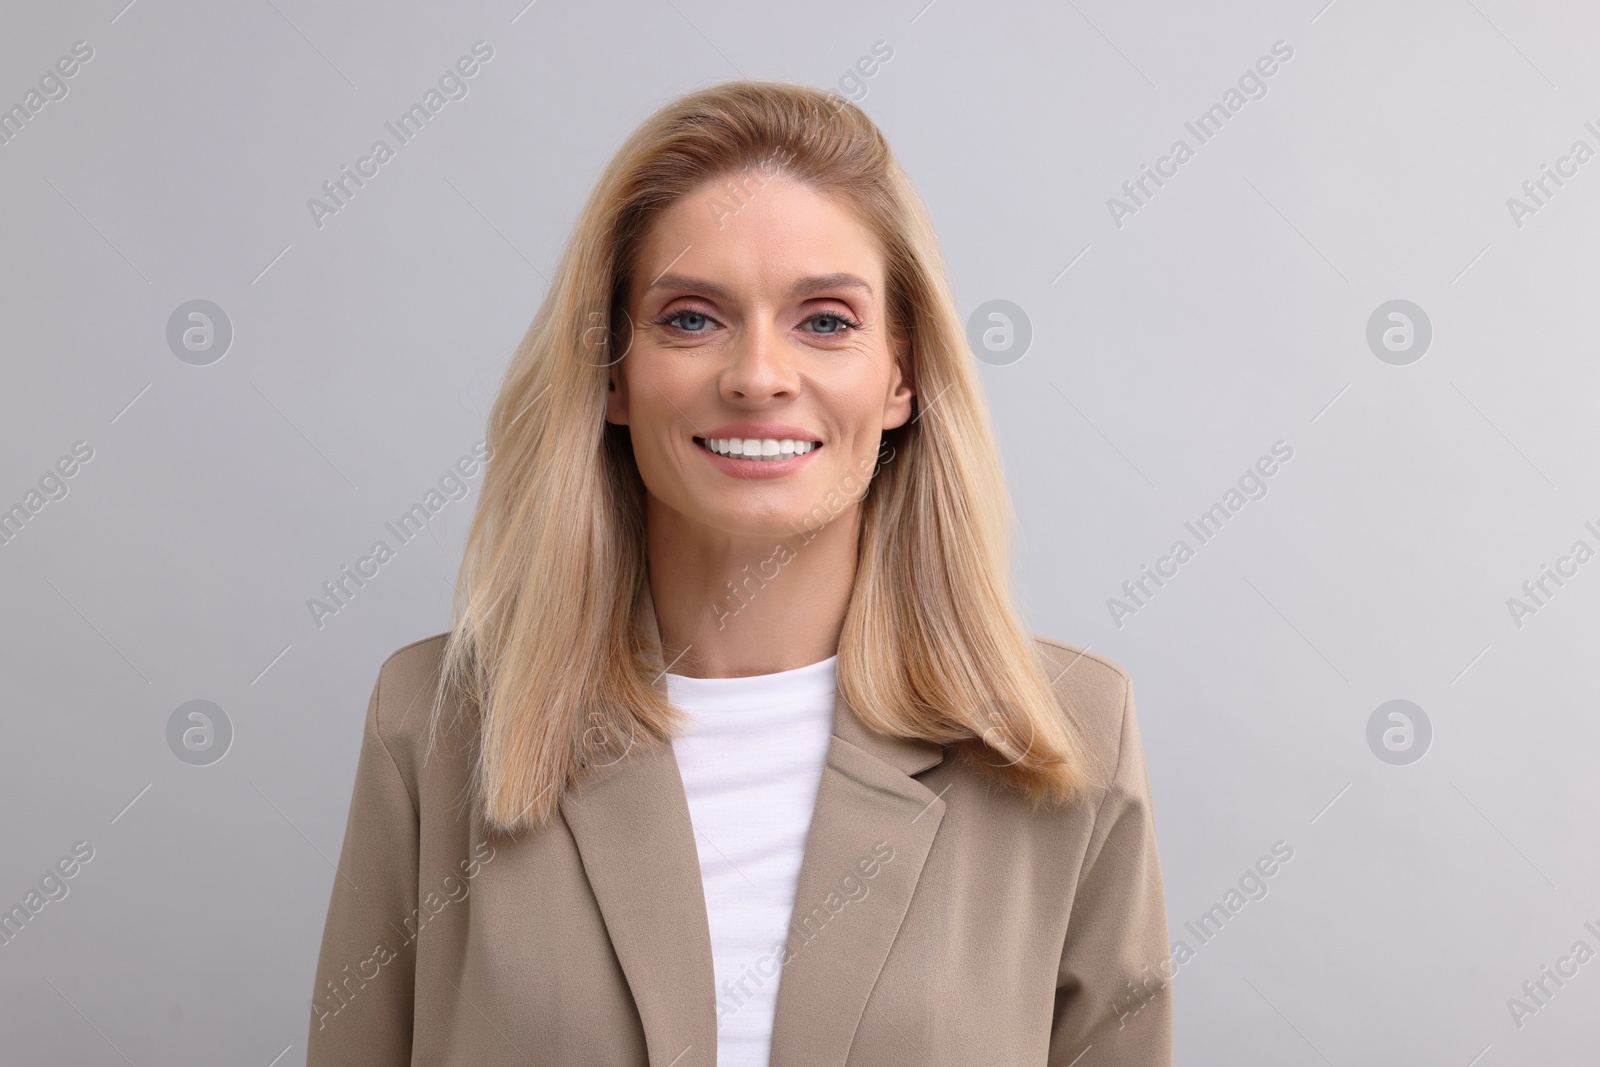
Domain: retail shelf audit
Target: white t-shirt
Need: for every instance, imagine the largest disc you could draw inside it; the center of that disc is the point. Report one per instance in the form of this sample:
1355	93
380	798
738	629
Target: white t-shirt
751	762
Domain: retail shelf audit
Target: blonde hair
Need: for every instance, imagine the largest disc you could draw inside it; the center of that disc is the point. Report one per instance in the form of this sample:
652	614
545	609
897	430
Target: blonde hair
547	644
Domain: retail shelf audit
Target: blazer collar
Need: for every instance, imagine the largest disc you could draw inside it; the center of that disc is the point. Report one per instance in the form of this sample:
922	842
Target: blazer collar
871	830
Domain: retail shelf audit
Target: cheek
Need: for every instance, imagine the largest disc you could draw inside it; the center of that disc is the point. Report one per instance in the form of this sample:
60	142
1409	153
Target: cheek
660	392
858	398
661	388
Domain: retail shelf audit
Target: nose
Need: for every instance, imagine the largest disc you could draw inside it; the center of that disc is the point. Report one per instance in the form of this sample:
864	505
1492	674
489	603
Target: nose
762	366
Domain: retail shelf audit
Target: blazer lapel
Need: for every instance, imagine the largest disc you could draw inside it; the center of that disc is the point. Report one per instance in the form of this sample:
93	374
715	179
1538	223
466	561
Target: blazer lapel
634	835
870	833
632	826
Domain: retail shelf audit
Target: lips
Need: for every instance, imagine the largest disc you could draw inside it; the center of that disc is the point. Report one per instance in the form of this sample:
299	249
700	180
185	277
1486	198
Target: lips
756	467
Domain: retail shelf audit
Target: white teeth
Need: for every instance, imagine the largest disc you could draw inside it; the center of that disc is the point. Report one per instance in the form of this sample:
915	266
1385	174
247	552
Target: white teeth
768	448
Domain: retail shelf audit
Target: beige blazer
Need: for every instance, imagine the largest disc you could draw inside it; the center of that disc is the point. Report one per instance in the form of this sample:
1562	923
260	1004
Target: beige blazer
937	921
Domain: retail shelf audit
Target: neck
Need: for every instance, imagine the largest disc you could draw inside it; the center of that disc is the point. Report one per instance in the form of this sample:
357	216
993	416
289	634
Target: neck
733	606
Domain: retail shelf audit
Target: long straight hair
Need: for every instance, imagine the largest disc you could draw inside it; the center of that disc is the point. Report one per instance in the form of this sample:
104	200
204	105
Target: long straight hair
548	647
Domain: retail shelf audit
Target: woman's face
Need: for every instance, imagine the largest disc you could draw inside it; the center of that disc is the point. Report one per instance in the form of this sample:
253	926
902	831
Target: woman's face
758	327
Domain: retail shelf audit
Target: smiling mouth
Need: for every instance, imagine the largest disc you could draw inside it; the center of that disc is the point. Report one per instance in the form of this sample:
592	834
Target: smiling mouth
766	449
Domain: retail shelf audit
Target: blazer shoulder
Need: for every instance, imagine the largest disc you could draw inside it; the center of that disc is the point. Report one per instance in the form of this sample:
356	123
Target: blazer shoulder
403	707
1064	654
1095	693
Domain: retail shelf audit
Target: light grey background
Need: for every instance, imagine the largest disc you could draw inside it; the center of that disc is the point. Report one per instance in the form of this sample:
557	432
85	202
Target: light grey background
1168	353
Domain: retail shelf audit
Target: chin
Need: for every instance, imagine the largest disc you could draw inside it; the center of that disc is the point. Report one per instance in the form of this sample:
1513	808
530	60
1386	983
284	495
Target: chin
778	523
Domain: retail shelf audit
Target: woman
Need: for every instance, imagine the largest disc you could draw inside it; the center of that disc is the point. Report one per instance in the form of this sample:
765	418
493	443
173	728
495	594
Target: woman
736	690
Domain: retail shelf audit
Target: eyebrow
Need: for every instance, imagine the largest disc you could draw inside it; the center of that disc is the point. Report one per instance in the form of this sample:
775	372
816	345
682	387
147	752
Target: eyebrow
804	287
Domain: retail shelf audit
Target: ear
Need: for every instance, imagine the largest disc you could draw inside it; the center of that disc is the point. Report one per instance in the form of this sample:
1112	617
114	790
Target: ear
897	405
616	395
903	382
616	380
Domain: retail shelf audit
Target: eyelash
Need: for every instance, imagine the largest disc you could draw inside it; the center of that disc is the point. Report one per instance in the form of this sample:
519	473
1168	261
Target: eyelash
846	322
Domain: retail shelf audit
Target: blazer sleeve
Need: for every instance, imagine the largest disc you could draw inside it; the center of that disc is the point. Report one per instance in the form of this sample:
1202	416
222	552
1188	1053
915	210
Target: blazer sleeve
1113	991
362	1004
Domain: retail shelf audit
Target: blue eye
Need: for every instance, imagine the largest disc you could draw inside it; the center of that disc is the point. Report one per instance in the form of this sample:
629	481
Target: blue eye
698	322
844	323
687	313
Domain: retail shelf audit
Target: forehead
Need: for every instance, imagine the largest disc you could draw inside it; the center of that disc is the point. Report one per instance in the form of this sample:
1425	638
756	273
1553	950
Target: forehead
758	236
